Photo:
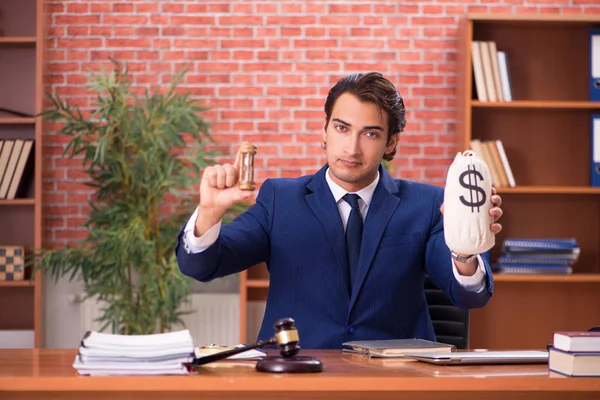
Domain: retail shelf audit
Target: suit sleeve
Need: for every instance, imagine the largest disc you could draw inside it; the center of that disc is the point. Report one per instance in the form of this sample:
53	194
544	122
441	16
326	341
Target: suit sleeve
241	244
439	268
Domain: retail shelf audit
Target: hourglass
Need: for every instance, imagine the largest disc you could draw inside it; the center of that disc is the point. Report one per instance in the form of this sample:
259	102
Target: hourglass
247	153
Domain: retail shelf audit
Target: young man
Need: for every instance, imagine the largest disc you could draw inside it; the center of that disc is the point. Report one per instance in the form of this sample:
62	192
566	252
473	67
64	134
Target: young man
347	248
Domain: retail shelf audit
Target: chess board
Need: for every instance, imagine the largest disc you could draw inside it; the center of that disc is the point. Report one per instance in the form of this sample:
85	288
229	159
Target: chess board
11	263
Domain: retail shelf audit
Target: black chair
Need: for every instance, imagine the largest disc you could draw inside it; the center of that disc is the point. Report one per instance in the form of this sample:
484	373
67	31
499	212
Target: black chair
450	323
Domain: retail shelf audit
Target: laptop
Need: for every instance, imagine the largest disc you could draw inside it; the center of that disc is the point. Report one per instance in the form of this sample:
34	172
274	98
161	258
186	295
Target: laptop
482	357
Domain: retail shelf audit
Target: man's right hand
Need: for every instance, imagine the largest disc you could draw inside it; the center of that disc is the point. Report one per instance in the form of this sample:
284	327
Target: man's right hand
219	190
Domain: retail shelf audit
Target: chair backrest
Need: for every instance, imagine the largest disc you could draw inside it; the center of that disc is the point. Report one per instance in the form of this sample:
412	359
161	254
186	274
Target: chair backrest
450	323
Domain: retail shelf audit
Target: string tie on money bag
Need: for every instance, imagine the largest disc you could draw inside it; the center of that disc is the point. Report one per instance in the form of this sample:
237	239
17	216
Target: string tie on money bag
467	203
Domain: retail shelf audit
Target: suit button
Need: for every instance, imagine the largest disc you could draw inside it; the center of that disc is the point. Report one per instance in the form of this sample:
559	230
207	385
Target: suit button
351	329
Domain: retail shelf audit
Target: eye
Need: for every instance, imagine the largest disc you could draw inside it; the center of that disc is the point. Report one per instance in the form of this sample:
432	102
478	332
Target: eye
341	128
372	134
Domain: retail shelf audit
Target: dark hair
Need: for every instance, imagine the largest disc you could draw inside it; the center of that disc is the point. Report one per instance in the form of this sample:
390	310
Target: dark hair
372	87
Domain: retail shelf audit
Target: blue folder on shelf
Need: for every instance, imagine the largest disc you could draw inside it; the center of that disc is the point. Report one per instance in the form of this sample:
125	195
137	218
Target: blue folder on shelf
595	65
526	244
595	156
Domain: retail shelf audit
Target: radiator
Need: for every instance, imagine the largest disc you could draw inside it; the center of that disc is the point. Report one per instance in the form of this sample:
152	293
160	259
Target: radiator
256	311
215	318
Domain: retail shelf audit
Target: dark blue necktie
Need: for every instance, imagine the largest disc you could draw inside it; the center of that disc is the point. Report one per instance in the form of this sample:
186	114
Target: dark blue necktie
354	230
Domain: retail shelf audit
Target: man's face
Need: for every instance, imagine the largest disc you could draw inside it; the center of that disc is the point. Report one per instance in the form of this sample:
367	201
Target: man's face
356	138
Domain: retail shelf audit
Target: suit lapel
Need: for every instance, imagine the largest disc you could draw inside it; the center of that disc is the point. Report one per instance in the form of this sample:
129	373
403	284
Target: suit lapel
323	205
383	204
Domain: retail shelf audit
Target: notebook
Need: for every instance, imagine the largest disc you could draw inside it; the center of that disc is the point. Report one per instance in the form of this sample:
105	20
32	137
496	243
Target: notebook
396	347
482	357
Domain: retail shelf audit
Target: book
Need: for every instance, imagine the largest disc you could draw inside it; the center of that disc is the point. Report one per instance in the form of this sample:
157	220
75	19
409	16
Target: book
155	354
550	244
396	347
528	270
582	364
577	341
252	354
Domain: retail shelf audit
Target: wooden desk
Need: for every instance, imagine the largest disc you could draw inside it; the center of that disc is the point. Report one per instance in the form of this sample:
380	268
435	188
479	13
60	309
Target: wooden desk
42	373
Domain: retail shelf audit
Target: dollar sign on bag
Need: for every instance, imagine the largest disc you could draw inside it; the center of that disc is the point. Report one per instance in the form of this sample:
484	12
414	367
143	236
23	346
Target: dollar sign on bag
475	201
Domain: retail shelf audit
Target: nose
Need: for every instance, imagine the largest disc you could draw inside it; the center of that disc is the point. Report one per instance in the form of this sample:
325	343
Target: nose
353	145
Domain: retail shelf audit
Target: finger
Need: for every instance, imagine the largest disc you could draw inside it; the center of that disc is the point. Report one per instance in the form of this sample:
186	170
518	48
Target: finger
442	208
496	228
210	176
230	175
494	190
238	157
243	195
220	172
496	200
496	212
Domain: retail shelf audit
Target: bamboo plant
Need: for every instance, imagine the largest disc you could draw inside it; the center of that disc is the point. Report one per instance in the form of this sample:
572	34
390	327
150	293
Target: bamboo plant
134	149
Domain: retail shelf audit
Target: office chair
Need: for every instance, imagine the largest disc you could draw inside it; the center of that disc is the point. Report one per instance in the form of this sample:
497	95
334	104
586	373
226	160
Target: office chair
450	323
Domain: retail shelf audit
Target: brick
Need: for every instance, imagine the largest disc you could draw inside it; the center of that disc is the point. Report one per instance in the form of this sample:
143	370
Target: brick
179	20
241	20
125	19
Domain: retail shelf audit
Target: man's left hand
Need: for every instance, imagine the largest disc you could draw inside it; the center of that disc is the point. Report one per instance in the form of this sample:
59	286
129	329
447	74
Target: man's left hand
470	268
495	211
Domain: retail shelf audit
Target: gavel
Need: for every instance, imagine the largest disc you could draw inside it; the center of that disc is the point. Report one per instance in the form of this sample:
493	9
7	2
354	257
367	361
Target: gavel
286	337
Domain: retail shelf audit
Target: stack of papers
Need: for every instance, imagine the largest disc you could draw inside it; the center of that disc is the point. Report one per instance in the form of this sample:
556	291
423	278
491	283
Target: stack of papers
156	354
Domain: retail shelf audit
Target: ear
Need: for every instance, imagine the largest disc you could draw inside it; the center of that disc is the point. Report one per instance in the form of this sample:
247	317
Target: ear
393	143
324	134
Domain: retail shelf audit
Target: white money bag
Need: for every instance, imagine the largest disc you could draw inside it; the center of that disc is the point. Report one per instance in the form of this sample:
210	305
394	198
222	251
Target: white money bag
466	205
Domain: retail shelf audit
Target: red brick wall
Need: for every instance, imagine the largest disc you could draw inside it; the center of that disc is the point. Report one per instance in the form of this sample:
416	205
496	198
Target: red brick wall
264	69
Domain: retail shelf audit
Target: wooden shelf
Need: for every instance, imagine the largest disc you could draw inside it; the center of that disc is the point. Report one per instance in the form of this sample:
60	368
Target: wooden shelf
257	283
16	120
550	190
17	40
537	104
17	202
22	90
575	278
527	17
545	132
24	283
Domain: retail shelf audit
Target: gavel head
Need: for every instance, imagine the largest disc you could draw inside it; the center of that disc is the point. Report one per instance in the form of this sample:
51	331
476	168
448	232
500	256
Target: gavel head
286	337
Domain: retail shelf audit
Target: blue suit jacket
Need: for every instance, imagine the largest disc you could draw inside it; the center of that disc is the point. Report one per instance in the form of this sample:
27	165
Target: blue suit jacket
295	227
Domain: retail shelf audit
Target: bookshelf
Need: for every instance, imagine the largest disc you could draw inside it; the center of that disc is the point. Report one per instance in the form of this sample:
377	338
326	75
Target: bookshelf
546	131
21	89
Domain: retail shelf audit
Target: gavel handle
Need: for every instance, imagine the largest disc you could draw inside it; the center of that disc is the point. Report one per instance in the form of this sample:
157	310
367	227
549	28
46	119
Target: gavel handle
228	353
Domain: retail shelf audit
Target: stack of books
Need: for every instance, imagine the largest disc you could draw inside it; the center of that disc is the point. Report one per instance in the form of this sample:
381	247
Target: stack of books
156	354
575	354
537	256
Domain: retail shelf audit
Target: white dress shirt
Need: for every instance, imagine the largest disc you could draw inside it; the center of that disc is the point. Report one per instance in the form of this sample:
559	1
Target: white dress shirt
194	244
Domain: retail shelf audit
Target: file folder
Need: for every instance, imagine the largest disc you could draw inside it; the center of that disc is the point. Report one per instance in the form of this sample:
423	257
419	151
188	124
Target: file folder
595	161
595	65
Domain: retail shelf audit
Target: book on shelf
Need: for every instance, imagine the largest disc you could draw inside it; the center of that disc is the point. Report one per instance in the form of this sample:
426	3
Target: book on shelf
493	154
16	156
552	256
490	72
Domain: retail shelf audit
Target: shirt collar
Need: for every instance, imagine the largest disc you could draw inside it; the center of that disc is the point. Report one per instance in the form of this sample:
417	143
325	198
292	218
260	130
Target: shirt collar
366	193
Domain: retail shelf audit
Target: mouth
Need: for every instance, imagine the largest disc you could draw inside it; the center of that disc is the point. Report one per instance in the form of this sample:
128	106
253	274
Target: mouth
350	164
